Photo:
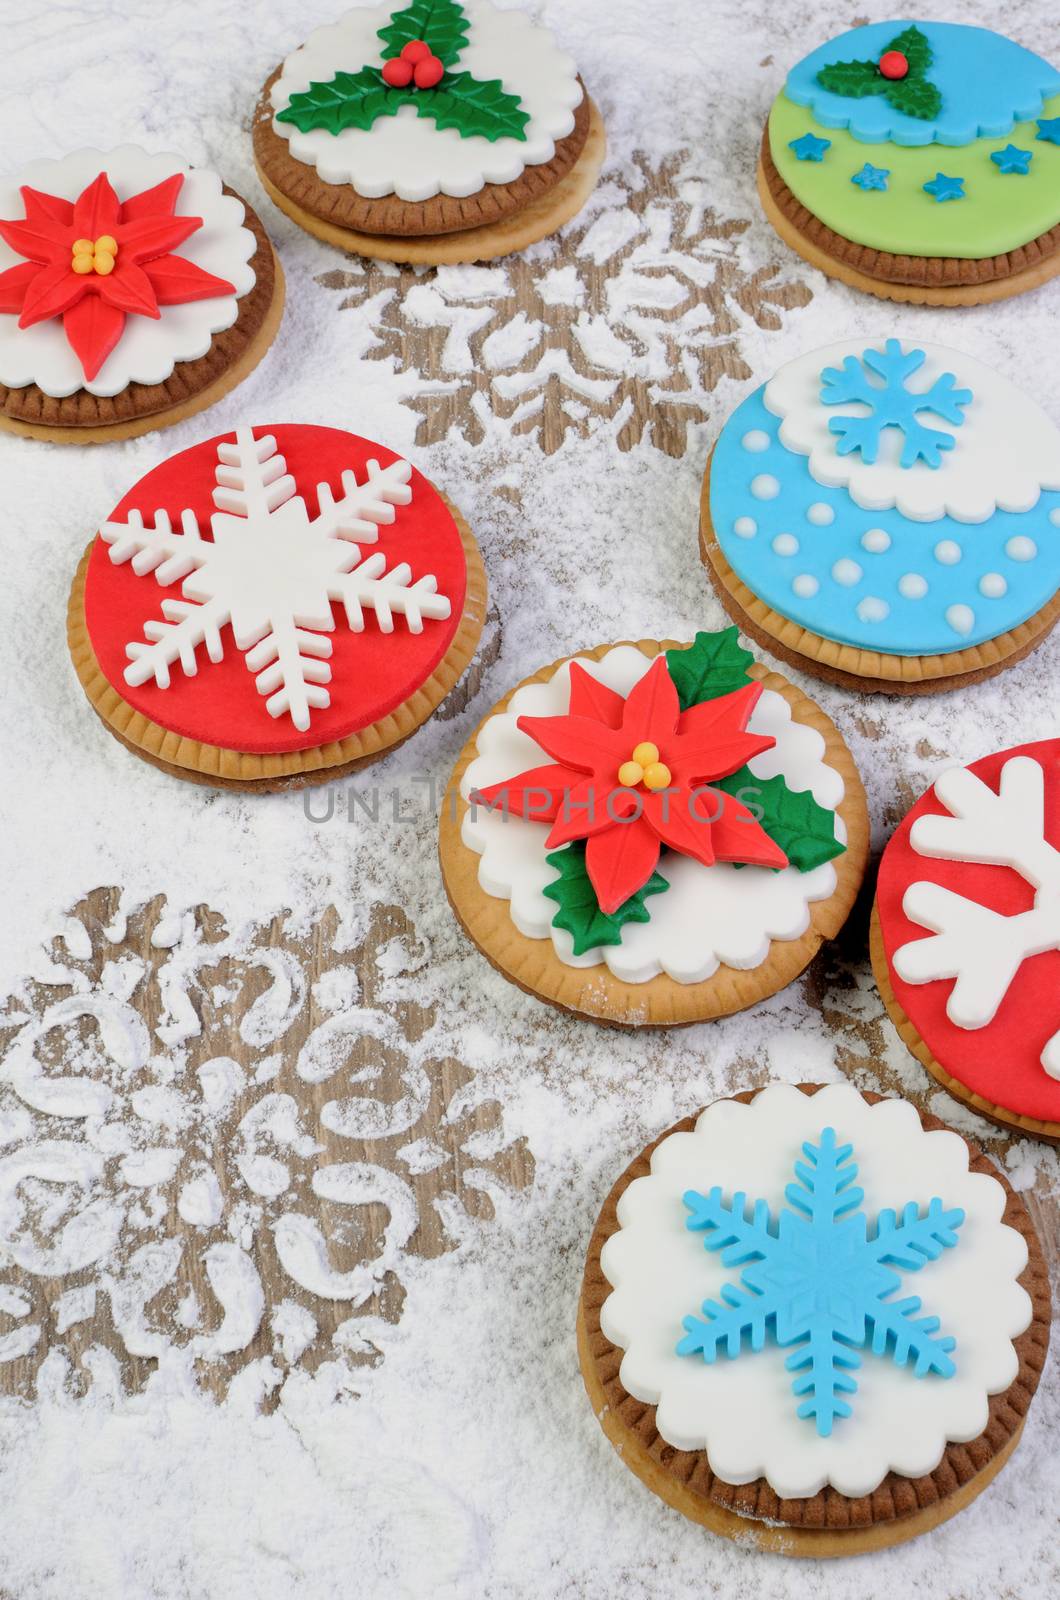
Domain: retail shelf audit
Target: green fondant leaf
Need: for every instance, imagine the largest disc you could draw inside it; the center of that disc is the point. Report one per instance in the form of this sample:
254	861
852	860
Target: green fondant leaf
804	830
914	46
579	910
357	99
713	665
441	24
855	79
916	97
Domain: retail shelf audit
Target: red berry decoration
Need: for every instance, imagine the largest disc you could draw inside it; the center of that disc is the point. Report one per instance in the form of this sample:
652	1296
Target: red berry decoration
894	65
415	51
397	74
428	72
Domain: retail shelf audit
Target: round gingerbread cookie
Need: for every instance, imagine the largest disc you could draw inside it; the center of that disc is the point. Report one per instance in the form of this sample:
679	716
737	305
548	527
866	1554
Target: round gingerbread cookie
813	1320
442	131
134	291
274	607
886	516
919	162
653	834
966	935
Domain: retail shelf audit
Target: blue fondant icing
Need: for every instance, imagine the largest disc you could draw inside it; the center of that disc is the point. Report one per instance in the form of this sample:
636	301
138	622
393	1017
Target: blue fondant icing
881	609
987	82
1012	159
809	147
943	187
1049	130
892	404
870	177
819	1278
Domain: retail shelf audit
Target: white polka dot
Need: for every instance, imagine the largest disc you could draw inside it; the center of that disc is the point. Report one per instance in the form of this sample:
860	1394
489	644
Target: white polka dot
846	572
1054	516
765	486
872	609
756	440
745	527
820	515
805	586
993	585
1020	548
948	552
960	618
877	540
912	586
786	544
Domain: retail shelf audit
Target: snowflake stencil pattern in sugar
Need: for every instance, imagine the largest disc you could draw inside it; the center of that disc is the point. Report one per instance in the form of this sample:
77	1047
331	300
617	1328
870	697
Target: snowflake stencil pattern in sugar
271	574
627	320
217	1157
818	1280
891	404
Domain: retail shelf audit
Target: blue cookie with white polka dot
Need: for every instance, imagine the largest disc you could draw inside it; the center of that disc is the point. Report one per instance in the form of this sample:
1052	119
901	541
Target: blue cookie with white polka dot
875	580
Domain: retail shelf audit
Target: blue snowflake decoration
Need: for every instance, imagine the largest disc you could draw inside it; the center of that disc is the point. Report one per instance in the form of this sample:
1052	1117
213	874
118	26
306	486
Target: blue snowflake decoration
1048	129
1012	159
818	1281
810	148
892	404
870	177
945	188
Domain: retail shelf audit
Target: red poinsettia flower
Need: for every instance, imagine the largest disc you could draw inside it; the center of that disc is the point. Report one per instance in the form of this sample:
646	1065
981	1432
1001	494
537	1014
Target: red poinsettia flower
94	261
631	775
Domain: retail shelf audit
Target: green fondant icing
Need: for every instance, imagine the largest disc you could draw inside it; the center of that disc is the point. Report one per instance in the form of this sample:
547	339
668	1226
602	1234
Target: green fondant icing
998	212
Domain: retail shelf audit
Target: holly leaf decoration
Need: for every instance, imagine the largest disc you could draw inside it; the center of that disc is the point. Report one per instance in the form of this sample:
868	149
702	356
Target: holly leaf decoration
713	665
441	24
475	107
579	910
914	95
804	830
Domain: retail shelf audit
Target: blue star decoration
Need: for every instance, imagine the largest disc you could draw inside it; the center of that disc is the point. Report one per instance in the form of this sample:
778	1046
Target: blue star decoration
892	404
820	1280
1012	159
871	177
809	147
945	188
1048	129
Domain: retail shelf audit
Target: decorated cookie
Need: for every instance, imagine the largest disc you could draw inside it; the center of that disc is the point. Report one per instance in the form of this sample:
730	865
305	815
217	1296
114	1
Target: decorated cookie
886	515
652	834
275	607
436	131
919	161
813	1320
966	935
134	291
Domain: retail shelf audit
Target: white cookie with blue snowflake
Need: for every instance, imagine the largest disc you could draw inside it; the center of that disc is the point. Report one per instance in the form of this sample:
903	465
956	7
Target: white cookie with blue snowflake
894	498
816	1290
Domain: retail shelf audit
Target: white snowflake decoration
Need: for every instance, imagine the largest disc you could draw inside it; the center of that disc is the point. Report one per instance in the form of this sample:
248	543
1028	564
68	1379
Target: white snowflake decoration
272	573
980	948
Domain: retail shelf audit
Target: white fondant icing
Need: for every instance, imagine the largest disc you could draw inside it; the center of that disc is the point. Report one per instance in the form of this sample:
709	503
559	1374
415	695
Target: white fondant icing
765	486
993	586
745	527
821	515
1007	449
948	552
709	915
1054	516
912	586
846	572
148	350
755	440
873	609
409	155
1020	548
806	585
786	544
877	541
741	1410
960	618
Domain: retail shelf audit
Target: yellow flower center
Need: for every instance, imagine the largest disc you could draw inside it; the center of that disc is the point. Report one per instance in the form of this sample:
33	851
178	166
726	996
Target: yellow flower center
644	767
88	255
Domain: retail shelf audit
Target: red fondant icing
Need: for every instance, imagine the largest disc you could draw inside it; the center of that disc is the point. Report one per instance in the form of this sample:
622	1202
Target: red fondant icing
1002	1061
372	672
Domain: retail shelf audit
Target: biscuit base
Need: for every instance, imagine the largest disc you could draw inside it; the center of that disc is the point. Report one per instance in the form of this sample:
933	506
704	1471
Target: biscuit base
828	1524
219	768
538	220
594	992
870	671
907	293
1011	1121
151	422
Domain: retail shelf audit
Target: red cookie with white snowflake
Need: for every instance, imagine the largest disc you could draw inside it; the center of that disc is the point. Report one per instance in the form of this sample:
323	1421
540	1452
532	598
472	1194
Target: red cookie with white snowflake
966	935
134	291
274	607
